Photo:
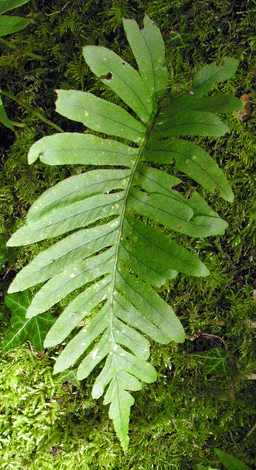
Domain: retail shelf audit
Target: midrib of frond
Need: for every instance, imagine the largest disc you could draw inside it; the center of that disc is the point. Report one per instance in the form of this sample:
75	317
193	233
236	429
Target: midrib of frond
115	267
122	217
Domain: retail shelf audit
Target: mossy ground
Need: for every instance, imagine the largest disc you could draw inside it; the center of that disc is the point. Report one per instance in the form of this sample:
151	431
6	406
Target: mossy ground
177	421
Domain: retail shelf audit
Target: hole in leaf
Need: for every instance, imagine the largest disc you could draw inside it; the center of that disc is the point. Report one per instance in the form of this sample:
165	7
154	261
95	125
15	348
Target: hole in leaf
108	76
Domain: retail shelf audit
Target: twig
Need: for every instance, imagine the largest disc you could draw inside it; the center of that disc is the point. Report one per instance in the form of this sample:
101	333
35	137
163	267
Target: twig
31	348
250	432
18	124
209	336
36	113
55	12
24	51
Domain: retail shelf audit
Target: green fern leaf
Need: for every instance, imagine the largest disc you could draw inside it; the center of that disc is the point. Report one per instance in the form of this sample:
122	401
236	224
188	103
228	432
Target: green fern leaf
207	77
11	24
4	118
202	467
7	5
118	219
8	25
230	462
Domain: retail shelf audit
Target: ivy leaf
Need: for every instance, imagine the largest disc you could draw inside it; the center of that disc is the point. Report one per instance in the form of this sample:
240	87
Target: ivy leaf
23	329
231	463
214	361
120	217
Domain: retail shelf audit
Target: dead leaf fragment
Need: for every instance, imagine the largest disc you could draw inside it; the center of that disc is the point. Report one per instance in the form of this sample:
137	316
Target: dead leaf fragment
251	377
247	102
246	99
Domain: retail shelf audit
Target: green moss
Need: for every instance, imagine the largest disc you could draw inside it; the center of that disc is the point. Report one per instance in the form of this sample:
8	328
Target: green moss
177	421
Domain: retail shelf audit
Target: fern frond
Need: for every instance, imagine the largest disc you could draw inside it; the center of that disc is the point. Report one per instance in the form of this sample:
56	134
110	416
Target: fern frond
112	252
